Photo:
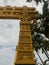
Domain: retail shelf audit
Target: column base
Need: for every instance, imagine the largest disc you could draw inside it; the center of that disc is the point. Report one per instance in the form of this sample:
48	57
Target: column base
24	64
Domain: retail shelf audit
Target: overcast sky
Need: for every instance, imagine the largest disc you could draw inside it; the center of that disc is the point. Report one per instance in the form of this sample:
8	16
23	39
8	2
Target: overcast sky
9	32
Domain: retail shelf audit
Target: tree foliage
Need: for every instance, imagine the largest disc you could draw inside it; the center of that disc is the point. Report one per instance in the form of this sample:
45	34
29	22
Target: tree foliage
41	34
43	29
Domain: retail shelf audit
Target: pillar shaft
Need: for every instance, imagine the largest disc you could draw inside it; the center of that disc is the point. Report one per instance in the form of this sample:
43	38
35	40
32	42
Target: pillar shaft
24	51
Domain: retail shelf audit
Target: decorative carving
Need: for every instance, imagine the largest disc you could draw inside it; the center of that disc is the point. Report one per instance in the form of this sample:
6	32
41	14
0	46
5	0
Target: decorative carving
24	51
9	12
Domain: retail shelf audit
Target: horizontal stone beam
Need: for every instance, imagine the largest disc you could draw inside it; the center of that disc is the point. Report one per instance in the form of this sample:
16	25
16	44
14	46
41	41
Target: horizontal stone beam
9	12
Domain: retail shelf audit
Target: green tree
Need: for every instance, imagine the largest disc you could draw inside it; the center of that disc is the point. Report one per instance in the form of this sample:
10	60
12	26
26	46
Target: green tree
40	41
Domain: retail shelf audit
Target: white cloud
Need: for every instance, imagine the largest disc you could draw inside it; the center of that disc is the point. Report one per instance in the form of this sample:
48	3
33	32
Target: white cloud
7	56
3	40
9	32
39	8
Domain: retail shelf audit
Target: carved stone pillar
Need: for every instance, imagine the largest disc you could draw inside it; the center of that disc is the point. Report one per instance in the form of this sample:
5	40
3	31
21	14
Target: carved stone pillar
25	53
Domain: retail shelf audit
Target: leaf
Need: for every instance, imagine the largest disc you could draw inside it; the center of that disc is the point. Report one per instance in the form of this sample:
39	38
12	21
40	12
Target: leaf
29	0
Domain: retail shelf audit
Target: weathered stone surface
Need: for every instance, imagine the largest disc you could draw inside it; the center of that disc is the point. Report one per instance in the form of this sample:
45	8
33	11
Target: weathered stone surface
25	54
24	51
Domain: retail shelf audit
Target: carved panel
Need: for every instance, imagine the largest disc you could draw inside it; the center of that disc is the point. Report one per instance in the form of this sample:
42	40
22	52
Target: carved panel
25	33
24	27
